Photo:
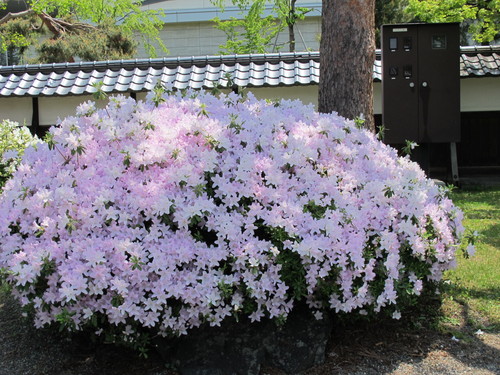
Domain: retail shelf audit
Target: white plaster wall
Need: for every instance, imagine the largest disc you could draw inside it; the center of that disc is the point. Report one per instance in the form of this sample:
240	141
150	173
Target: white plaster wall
377	98
309	94
141	95
16	109
480	94
306	94
476	95
51	109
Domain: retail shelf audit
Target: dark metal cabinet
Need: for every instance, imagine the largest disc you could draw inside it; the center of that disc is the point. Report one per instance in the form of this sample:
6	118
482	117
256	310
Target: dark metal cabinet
421	83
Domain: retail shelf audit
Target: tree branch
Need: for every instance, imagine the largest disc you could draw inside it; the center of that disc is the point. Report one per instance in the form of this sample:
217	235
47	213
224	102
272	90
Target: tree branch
9	16
58	26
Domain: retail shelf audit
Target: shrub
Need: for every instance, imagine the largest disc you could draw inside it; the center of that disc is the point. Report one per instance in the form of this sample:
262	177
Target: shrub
187	208
13	140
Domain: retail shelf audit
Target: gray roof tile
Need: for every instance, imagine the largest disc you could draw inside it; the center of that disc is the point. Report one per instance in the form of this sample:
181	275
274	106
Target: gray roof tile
278	69
61	90
5	92
44	91
77	90
19	91
480	61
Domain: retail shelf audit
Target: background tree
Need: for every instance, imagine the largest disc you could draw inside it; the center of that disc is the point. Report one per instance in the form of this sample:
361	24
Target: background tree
389	12
347	56
84	29
481	18
254	32
289	14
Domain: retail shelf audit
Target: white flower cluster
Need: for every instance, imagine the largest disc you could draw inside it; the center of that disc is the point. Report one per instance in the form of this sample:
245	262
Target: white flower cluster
14	138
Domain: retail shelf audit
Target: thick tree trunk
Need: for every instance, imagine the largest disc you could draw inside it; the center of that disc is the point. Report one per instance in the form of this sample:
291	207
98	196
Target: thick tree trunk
347	57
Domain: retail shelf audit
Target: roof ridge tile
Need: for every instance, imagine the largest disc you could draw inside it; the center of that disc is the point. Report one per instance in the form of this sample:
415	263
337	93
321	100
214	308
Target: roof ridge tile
253	70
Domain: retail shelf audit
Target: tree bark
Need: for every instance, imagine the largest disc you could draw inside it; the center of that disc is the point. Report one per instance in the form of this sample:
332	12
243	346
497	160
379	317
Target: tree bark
291	25
347	56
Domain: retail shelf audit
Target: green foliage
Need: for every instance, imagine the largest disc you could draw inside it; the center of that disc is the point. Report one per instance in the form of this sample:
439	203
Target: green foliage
288	13
408	147
13	141
389	12
84	29
251	34
65	320
317	211
99	94
292	270
293	274
17	34
381	132
108	42
359	122
482	17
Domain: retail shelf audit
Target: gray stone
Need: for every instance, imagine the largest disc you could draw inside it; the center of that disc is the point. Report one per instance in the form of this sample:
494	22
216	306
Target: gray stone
300	344
241	348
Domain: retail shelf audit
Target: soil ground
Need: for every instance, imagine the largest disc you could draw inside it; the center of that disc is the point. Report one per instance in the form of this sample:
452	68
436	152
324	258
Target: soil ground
356	349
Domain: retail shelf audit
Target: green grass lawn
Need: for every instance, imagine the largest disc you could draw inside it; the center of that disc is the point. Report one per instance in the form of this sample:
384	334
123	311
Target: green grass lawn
471	296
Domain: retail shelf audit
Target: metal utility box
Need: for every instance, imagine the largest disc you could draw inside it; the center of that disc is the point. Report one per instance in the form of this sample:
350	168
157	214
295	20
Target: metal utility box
421	83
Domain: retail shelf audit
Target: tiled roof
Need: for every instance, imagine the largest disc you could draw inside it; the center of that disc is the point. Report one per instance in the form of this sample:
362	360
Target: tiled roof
278	69
480	61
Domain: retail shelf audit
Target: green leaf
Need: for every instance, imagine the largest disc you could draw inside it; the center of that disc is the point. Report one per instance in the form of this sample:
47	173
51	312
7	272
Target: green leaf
482	18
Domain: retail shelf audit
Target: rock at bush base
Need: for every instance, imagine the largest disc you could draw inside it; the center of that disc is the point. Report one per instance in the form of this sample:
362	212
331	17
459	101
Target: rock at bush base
241	348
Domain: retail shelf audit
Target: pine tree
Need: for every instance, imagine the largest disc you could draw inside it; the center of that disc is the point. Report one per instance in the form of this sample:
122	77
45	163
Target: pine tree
78	29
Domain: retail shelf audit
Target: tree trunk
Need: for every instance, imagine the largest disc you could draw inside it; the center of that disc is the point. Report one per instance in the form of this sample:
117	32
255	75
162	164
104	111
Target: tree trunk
291	38
347	57
291	25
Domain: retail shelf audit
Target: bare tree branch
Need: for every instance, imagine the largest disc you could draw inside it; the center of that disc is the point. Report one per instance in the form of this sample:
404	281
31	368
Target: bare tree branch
9	16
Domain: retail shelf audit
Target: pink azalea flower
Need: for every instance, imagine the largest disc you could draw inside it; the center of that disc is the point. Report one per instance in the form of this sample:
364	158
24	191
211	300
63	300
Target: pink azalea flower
173	214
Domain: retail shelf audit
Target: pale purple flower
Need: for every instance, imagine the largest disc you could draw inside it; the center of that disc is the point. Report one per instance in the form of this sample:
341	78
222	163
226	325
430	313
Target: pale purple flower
164	218
470	250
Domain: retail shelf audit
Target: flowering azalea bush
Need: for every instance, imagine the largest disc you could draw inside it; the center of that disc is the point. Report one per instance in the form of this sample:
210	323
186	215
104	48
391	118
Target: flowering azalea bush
189	208
13	140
